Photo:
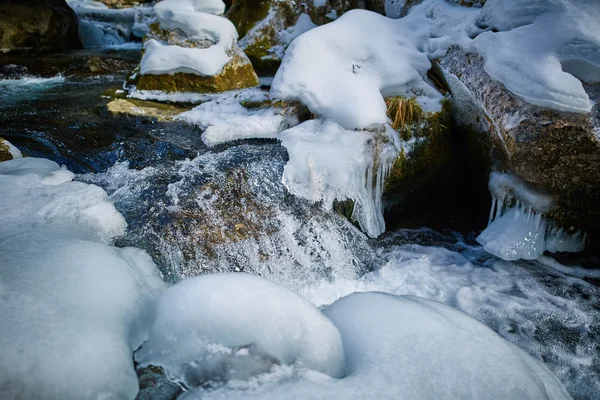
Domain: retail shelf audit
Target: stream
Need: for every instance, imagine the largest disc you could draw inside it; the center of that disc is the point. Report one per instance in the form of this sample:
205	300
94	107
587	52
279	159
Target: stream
199	210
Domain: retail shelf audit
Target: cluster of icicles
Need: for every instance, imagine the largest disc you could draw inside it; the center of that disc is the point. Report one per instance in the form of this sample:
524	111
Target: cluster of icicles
518	227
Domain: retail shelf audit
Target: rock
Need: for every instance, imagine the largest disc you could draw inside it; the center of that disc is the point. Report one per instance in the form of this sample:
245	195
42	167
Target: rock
80	62
145	109
37	25
8	151
557	151
267	27
236	73
123	3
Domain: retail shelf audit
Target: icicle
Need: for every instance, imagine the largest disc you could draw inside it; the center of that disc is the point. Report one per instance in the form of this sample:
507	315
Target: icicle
493	206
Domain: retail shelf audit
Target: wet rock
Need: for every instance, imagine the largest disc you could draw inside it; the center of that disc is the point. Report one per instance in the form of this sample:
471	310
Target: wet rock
37	25
144	109
154	385
124	3
80	62
13	71
557	151
8	151
238	73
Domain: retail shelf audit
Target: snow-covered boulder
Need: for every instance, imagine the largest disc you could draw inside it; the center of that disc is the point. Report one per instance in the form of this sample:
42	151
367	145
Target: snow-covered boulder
557	151
233	326
72	308
37	25
339	72
192	48
268	27
8	151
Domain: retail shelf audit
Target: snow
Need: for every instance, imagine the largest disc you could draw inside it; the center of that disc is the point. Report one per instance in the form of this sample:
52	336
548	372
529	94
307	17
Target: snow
197	19
328	162
339	72
539	50
72	308
522	231
405	347
225	119
223	326
14	152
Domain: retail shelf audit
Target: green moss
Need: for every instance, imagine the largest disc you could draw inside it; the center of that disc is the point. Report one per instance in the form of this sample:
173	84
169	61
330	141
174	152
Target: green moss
244	14
258	53
5	153
430	158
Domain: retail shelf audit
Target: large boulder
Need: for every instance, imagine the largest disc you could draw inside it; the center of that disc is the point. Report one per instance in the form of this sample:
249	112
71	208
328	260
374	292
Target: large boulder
556	151
192	48
38	25
266	28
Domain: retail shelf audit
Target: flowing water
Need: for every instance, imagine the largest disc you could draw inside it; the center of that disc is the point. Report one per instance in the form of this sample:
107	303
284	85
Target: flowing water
198	210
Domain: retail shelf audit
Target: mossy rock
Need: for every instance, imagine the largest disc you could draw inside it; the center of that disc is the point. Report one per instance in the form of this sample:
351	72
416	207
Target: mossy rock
235	214
246	13
237	74
5	153
38	25
145	109
432	155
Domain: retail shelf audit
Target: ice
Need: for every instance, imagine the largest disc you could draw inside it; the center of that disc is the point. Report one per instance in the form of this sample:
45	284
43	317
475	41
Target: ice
405	347
518	227
225	119
72	309
209	325
515	235
200	20
103	27
328	162
341	73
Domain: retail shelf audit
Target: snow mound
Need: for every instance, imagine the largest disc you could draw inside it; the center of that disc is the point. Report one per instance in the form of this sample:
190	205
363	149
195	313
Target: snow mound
72	309
404	347
37	192
197	19
518	227
342	70
540	50
224	326
544	49
328	162
225	119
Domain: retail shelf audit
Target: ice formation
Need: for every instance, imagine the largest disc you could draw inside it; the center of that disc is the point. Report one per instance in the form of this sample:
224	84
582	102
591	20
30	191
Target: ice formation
518	228
199	20
540	50
340	72
224	118
232	326
328	162
72	308
404	347
100	26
